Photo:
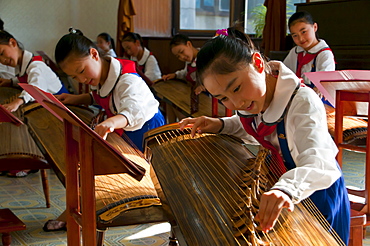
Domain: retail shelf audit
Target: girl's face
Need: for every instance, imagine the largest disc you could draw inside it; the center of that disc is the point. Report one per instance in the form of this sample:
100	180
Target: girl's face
86	70
183	52
244	89
102	44
9	53
304	34
132	48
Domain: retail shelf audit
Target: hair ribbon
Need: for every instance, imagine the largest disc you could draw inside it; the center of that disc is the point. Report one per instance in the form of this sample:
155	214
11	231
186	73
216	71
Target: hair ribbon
221	32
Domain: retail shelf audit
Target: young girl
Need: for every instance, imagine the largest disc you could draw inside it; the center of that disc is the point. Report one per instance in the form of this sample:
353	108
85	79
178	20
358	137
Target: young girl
106	43
269	95
182	47
6	72
311	53
133	45
127	100
29	69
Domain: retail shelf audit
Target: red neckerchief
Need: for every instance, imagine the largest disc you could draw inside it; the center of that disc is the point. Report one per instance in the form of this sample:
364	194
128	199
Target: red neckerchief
303	60
190	70
127	66
264	130
24	78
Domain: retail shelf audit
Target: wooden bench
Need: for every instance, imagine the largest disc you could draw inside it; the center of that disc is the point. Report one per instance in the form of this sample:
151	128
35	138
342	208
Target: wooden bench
9	222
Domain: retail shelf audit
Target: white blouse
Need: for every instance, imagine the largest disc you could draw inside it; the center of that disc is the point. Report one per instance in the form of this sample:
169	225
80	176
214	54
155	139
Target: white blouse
324	60
132	97
309	141
39	75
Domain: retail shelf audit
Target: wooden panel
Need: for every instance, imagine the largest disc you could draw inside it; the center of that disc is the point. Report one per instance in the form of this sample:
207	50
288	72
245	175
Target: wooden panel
344	26
153	18
177	93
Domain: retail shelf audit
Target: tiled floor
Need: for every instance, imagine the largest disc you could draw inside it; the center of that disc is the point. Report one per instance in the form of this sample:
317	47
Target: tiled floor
24	196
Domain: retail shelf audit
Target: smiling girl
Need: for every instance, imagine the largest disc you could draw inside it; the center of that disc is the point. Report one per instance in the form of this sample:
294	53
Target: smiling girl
116	87
311	53
282	116
28	69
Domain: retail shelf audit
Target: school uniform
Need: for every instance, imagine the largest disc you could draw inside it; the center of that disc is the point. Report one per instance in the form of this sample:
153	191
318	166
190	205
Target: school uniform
37	73
324	60
6	72
148	65
189	72
111	53
124	92
315	172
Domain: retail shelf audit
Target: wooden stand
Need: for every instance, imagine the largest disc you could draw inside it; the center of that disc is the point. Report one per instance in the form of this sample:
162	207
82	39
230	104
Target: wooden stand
87	155
356	218
9	222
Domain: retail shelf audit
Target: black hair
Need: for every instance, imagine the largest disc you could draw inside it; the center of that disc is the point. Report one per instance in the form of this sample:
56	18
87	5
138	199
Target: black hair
108	38
73	43
1	24
179	39
224	54
132	37
5	37
302	16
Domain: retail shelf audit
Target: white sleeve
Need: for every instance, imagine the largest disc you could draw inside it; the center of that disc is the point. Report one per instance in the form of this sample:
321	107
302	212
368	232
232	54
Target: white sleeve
181	74
41	76
134	100
291	60
325	61
152	70
311	148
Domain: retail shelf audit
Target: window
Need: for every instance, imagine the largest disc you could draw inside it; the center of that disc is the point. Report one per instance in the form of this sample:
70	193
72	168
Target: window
203	17
204	14
256	11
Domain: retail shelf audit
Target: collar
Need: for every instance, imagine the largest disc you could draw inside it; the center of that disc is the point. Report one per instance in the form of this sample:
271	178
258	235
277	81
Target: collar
27	57
113	74
286	86
321	45
144	58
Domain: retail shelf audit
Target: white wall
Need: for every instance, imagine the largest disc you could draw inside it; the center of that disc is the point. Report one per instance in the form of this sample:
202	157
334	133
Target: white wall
39	24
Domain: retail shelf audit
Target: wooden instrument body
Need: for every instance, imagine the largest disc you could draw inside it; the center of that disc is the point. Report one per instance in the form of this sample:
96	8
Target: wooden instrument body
17	149
120	199
211	185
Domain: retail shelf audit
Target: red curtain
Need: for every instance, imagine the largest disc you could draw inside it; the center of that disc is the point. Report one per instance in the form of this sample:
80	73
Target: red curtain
274	32
125	23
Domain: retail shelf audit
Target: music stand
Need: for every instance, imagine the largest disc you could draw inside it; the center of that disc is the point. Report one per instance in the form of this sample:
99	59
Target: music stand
6	116
87	155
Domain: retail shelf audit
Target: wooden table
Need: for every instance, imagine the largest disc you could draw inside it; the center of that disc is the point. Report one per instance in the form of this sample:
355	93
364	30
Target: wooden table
177	94
9	222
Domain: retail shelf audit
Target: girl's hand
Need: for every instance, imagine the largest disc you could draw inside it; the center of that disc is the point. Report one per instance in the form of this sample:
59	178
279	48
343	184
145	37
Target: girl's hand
271	204
14	105
199	89
104	128
66	98
202	124
169	76
5	82
116	122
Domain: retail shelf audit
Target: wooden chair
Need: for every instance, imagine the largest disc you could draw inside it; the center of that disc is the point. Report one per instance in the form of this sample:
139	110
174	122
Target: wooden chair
343	96
9	222
358	220
17	148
